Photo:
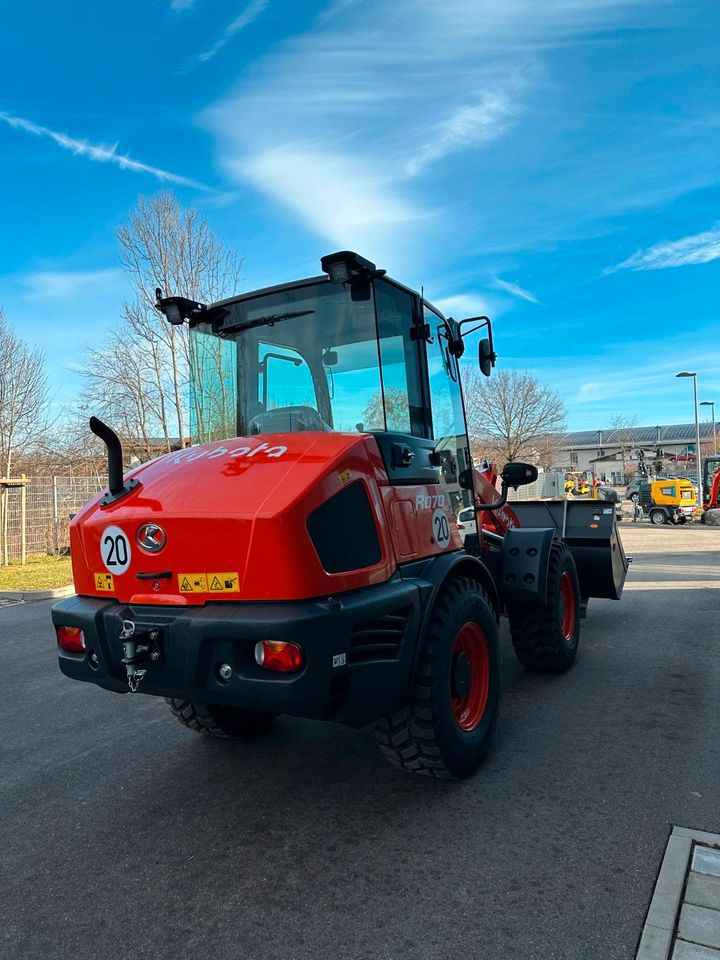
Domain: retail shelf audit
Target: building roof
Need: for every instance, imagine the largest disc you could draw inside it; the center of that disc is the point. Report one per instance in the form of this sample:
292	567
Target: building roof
638	436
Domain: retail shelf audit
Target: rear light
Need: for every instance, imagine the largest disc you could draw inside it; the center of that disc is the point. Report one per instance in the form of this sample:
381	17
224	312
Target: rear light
279	656
71	638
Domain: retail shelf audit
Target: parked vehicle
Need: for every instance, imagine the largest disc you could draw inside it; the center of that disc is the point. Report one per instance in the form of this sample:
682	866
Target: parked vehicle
668	500
466	522
312	565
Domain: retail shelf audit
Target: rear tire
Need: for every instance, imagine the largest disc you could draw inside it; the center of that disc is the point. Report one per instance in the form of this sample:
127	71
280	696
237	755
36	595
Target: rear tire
657	517
448	726
546	638
220	721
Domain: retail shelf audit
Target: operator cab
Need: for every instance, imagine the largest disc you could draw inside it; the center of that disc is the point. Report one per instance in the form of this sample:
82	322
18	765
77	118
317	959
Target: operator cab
351	351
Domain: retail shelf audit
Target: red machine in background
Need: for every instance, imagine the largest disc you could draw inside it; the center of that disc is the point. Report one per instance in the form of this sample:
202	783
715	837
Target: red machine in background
304	557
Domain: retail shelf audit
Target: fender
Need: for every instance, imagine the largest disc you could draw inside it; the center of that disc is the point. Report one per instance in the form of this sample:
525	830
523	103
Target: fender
524	565
438	569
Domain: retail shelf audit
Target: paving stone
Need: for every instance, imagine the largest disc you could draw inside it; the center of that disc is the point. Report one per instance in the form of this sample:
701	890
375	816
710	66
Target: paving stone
706	860
699	925
703	890
693	951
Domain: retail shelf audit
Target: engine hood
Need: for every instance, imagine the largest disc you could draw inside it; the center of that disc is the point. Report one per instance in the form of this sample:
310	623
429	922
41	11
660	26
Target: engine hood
232	522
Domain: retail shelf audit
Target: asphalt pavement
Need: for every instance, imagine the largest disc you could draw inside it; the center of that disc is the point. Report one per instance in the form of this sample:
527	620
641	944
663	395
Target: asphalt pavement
125	835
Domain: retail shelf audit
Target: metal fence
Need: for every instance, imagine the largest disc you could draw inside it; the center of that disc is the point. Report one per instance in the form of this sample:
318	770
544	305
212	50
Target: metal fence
50	502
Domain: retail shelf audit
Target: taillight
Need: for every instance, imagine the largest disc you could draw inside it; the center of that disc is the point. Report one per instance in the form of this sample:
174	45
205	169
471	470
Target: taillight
279	656
71	638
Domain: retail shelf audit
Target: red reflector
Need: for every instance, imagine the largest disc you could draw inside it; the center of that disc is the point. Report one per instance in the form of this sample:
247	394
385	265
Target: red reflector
282	657
71	638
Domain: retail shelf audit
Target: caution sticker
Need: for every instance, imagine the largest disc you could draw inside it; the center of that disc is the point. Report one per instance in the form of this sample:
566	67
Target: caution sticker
223	582
345	477
192	583
104	582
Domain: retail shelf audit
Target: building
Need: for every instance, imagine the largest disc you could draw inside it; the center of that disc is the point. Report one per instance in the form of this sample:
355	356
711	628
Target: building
614	453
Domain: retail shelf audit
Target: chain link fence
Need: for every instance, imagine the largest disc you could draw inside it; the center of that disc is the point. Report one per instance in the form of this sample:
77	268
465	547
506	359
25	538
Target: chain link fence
42	521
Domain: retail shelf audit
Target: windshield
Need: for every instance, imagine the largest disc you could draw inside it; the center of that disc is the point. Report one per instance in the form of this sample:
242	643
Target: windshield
305	358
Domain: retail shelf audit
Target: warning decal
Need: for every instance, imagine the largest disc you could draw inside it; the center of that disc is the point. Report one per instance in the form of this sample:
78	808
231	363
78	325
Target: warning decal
223	582
192	583
345	477
104	581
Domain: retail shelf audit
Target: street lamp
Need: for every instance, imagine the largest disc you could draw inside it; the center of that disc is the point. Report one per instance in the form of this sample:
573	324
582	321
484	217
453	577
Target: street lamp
711	403
698	458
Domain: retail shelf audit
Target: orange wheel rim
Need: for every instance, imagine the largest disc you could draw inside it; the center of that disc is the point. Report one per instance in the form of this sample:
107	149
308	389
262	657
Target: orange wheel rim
469	676
567	606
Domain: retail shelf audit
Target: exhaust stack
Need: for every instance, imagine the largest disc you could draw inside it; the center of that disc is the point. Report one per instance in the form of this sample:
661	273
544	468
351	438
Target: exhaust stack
117	488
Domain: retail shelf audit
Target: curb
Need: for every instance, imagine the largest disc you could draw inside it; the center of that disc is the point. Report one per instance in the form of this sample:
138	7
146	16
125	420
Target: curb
659	931
37	594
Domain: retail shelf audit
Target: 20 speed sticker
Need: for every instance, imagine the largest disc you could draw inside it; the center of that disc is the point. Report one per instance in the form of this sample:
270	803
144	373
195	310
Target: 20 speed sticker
104	582
223	582
192	583
441	528
115	550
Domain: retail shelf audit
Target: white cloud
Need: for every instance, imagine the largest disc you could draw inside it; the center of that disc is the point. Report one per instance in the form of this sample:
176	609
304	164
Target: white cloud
64	285
177	6
251	12
465	127
333	193
98	152
699	248
515	290
391	94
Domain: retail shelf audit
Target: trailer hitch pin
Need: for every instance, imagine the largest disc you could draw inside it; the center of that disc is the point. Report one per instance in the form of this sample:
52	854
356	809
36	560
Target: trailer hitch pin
134	675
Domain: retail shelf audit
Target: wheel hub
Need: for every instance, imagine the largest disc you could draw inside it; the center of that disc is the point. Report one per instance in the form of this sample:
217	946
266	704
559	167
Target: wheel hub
462	673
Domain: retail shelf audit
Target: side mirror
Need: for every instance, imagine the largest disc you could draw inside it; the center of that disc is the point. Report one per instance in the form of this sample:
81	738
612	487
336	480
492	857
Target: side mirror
518	475
486	356
465	480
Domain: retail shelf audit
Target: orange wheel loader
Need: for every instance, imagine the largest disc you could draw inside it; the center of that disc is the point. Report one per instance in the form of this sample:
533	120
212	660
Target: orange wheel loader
304	557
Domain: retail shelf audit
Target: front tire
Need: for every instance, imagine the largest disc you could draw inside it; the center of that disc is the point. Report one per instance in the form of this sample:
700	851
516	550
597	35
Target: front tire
220	721
657	517
546	638
447	728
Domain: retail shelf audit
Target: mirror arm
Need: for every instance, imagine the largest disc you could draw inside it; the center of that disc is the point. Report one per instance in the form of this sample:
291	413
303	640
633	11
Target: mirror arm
504	488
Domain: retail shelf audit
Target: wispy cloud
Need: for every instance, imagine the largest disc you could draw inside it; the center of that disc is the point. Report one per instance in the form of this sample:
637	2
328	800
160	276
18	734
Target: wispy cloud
177	6
465	127
251	12
698	248
65	285
393	95
98	152
515	290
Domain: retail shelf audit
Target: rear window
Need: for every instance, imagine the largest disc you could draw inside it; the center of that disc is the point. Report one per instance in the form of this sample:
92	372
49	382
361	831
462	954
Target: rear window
687	494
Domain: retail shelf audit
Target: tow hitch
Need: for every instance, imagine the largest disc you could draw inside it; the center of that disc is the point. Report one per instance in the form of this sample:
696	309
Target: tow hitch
139	647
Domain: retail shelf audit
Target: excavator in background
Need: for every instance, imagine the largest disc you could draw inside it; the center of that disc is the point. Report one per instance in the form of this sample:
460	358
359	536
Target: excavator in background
710	485
304	557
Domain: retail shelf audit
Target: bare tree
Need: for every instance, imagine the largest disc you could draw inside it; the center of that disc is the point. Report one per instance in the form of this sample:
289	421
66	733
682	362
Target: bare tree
24	396
620	435
512	416
164	246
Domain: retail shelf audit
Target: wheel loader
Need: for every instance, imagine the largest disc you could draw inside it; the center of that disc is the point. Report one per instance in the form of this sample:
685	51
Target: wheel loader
304	556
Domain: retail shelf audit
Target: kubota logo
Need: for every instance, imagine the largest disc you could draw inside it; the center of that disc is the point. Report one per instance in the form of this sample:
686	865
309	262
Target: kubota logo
151	537
264	448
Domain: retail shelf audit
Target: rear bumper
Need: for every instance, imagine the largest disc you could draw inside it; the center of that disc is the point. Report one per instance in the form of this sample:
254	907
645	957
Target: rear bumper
359	651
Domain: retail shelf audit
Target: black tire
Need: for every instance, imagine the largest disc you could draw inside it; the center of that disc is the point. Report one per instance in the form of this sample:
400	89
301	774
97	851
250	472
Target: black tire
634	497
220	721
657	517
546	638
447	728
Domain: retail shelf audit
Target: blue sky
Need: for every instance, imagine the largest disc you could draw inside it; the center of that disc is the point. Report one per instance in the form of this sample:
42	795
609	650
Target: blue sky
554	164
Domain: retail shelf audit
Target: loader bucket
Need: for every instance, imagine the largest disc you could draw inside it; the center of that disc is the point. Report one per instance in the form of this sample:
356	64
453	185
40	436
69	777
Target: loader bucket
590	531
